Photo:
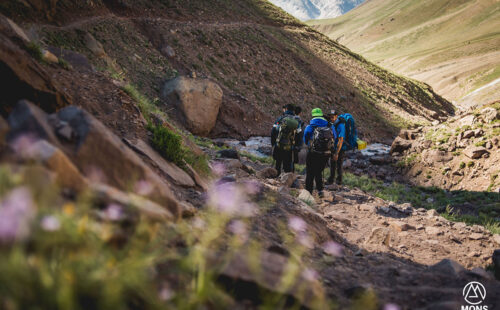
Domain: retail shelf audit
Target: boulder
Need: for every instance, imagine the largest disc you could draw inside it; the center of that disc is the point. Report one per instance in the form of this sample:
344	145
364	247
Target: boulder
168	51
239	275
434	231
400	145
97	150
176	174
67	175
94	46
496	263
22	76
449	267
105	194
267	173
489	114
49	57
338	218
228	153
306	197
467	134
4	128
288	178
436	156
379	236
29	120
76	60
199	100
401	226
467	120
233	163
475	152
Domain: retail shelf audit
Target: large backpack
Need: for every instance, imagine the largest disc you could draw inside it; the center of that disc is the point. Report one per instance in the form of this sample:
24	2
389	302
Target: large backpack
322	141
286	134
351	133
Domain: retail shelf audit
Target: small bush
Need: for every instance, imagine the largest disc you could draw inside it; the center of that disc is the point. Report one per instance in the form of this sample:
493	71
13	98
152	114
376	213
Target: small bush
480	143
470	164
35	50
462	165
168	144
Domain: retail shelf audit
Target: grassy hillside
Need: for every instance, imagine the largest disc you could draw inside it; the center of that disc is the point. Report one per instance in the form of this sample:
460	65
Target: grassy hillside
450	44
262	57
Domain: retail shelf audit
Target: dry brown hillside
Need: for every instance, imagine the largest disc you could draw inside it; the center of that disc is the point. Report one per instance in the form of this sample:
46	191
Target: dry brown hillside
260	56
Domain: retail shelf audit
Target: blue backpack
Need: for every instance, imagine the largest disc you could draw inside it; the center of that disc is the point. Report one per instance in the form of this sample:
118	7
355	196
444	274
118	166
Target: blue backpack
351	133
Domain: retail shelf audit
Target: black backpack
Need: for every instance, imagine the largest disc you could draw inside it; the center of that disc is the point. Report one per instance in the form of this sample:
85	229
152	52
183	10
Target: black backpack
322	141
286	135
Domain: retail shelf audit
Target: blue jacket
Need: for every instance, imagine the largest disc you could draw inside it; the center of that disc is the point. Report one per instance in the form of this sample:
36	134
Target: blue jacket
339	127
316	122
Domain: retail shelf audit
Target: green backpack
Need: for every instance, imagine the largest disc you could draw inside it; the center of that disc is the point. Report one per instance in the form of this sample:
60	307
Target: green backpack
286	134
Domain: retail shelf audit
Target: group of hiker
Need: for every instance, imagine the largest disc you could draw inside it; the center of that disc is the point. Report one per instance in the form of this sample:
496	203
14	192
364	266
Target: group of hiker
327	138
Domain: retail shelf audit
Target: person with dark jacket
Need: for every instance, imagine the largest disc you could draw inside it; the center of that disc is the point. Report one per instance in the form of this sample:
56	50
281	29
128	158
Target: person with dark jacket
338	155
282	157
299	137
316	162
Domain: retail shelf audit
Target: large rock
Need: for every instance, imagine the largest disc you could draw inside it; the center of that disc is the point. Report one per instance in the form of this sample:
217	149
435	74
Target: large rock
22	76
30	121
267	173
306	197
199	101
489	114
435	156
475	152
448	267
303	290
98	151
400	145
4	128
67	175
176	174
288	178
379	236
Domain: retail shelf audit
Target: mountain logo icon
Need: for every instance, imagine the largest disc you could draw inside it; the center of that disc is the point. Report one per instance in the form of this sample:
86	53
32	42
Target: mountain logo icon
474	293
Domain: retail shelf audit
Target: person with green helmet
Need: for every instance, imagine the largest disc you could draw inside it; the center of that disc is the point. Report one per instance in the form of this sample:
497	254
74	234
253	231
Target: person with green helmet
319	137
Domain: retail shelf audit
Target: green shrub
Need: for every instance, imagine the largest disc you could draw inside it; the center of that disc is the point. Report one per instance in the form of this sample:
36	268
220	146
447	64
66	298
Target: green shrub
480	143
168	144
35	50
470	164
462	165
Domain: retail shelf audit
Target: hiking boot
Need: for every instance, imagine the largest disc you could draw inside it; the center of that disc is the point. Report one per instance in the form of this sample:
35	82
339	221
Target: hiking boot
339	182
329	181
321	194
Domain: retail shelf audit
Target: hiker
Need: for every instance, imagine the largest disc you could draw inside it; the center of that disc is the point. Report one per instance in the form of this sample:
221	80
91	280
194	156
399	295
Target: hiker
347	139
283	137
298	137
319	137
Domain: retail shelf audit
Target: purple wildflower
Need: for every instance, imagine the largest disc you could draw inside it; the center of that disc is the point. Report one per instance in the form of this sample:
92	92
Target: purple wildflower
50	223
23	145
114	212
297	224
17	211
305	240
310	274
333	248
165	293
252	187
391	307
219	169
143	188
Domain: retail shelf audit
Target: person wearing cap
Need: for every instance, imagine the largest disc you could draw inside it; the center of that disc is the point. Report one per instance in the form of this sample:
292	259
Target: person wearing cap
338	155
283	158
315	162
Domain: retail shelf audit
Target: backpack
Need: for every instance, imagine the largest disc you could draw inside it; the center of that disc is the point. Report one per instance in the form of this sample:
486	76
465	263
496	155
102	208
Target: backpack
286	134
351	133
322	141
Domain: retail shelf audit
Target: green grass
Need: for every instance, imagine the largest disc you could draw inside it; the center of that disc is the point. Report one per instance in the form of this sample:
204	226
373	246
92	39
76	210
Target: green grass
254	158
487	204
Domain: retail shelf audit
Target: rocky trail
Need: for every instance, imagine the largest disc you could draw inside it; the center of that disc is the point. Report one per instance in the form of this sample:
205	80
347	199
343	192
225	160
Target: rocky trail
408	256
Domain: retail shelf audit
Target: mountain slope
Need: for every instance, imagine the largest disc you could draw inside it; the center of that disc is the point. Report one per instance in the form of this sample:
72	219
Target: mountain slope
452	45
262	58
316	9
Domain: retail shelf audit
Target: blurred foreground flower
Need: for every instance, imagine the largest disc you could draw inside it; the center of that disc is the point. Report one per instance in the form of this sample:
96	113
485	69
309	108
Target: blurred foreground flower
17	211
333	248
305	240
144	188
219	169
114	212
297	224
229	198
50	223
310	274
391	307
239	229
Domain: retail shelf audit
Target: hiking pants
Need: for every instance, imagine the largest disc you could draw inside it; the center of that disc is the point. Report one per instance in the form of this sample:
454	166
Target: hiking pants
283	158
336	166
315	164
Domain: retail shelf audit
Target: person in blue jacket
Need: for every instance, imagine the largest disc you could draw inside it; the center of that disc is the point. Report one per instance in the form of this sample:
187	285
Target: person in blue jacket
316	162
337	159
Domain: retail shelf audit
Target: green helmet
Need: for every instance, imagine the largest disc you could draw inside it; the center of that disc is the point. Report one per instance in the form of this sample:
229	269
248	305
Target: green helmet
316	112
